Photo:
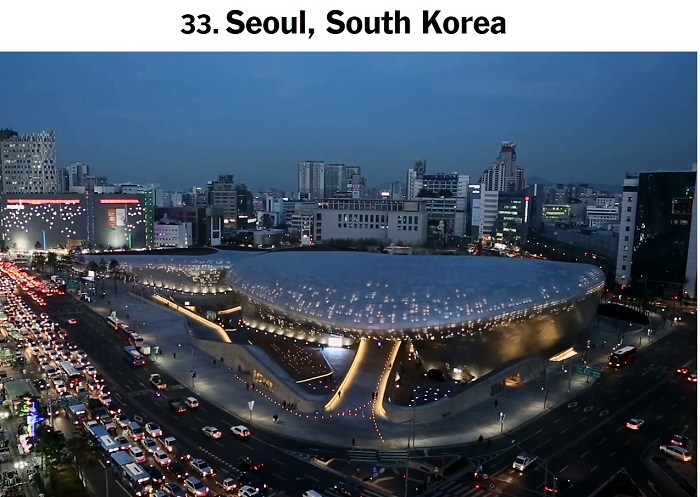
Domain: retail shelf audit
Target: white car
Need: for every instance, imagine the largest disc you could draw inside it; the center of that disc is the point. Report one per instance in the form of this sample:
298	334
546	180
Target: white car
195	487
161	457
635	424
137	454
105	398
676	452
240	431
201	467
523	461
153	430
191	402
247	491
211	432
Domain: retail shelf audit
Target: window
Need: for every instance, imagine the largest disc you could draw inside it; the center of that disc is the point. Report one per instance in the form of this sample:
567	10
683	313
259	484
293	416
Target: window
627	228
625	248
624	267
627	238
624	257
629	199
629	209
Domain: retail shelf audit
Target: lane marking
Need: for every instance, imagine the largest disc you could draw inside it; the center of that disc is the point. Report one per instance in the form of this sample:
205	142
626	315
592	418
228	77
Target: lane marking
584	454
311	477
562	432
556	421
602	441
594	468
660	416
199	419
564	468
583	419
613	453
628	441
588	409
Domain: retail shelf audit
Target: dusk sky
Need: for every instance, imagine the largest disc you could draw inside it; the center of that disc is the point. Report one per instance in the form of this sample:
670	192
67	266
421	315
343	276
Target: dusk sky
180	120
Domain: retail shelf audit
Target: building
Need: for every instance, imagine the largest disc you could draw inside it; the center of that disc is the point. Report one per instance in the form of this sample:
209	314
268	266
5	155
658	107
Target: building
601	216
245	213
385	221
556	213
311	180
504	175
73	175
101	221
657	211
335	180
28	163
172	233
196	217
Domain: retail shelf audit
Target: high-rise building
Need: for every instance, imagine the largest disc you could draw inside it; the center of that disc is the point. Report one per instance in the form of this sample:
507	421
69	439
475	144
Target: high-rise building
335	180
29	163
504	175
7	133
222	198
655	227
312	180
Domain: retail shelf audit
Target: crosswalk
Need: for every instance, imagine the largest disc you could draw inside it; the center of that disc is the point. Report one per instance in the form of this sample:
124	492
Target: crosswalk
377	456
364	491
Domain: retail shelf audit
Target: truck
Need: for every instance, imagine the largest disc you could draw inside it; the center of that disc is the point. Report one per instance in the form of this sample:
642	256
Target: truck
523	461
158	382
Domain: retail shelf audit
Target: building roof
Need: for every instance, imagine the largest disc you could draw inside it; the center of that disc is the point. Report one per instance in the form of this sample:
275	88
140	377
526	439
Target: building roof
351	291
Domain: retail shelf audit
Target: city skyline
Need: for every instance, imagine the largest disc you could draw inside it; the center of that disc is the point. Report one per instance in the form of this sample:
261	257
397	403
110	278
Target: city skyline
577	118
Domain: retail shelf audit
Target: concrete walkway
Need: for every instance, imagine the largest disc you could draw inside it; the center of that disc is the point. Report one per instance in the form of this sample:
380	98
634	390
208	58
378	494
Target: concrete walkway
351	417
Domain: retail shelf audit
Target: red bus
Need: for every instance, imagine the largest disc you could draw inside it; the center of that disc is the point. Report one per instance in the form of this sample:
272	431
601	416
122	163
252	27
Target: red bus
622	357
134	357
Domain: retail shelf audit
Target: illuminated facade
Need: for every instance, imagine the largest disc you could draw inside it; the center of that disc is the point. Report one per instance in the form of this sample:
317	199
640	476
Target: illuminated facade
62	220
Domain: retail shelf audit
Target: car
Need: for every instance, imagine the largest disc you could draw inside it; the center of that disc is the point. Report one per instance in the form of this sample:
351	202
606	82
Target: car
40	384
556	486
72	321
157	477
252	480
692	378
122	420
174	490
240	431
161	457
196	487
177	405
191	402
105	398
137	454
149	444
683	370
178	471
523	461
680	440
211	432
635	424
676	452
122	442
246	491
247	464
153	430
168	443
201	467
91	370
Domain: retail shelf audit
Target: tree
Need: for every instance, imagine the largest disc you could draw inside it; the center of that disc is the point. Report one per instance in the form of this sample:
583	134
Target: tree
39	261
50	445
81	448
52	261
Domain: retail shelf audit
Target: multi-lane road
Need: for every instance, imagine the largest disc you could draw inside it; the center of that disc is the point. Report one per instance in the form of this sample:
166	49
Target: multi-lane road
586	440
284	472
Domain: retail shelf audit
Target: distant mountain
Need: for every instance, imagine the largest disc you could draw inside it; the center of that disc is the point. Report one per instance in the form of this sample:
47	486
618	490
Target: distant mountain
531	180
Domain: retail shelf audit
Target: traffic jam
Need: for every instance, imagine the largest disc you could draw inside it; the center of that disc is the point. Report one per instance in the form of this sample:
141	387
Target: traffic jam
146	461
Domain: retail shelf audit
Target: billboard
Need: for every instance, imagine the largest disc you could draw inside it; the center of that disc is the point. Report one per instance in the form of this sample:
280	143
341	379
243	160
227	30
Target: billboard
116	217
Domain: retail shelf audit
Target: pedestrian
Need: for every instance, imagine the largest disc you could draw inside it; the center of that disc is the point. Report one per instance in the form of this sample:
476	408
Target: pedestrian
353	441
214	362
488	442
275	417
284	404
174	355
495	403
481	438
339	392
247	385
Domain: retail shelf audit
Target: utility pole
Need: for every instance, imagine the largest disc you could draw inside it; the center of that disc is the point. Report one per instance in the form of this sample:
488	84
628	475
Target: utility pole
546	382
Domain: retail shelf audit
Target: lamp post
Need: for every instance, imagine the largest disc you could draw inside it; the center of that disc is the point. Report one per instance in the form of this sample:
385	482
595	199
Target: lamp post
502	418
546	382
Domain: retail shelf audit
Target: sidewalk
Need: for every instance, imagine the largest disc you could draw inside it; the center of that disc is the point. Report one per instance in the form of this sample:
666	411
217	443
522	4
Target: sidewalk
222	385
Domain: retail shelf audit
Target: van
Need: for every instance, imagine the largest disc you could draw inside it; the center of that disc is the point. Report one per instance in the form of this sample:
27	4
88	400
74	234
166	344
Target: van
311	493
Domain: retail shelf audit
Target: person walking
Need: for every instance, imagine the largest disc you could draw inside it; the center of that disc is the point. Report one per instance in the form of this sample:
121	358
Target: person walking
353	441
174	355
488	442
495	403
481	438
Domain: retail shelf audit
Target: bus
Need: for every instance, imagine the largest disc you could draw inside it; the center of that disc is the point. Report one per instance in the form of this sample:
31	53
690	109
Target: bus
72	375
114	322
130	335
622	357
104	439
133	356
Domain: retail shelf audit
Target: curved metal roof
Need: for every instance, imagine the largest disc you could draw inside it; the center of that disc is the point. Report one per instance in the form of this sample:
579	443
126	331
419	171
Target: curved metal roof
365	291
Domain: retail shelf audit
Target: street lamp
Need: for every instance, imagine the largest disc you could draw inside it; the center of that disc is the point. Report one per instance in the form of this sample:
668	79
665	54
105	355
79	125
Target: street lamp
502	418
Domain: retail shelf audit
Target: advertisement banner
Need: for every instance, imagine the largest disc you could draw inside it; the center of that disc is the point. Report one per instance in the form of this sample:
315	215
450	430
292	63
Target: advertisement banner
121	217
111	218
